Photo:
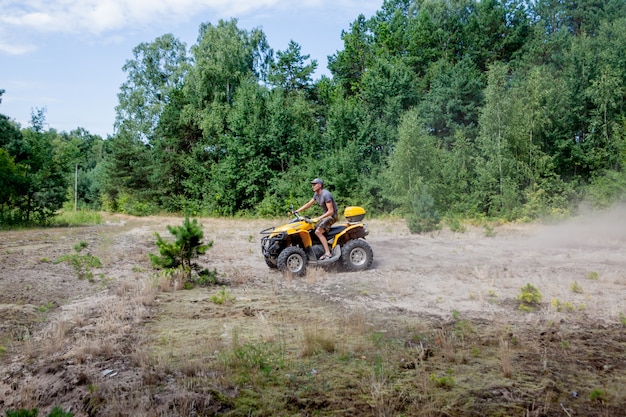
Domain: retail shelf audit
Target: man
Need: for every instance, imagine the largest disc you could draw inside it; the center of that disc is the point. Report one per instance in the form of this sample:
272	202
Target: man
325	199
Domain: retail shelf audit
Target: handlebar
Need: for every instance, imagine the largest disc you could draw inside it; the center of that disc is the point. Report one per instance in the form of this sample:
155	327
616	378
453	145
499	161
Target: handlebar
303	218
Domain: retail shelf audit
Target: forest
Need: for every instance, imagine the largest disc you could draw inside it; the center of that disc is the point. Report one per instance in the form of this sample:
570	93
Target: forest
435	110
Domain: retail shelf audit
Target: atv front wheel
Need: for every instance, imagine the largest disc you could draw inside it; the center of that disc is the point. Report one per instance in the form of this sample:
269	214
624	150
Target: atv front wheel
357	255
271	262
293	260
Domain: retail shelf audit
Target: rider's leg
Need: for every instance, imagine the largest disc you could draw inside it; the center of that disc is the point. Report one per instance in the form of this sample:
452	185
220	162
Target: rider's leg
319	232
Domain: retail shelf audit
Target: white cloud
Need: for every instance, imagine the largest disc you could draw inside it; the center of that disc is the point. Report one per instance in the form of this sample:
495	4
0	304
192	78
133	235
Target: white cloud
25	22
101	16
12	48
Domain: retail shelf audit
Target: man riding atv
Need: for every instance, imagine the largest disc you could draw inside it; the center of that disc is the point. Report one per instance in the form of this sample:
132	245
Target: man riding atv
326	201
291	246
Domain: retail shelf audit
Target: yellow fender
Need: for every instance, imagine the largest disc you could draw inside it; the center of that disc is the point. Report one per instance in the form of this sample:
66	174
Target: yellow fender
346	230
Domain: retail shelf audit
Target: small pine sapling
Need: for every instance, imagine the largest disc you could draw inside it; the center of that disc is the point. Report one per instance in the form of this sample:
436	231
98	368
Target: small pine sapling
187	246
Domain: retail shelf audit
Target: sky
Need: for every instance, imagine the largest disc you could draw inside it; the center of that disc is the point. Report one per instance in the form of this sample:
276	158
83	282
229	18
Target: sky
66	56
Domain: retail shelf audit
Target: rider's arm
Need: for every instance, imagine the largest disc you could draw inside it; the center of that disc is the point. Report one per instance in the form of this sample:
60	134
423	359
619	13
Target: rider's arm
307	205
329	210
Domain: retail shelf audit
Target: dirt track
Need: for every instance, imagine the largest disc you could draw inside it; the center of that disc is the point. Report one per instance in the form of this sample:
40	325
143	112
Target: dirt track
579	267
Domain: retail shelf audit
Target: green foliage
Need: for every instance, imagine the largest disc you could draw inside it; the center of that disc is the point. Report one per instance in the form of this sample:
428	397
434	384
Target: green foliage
488	230
156	70
529	297
606	189
82	263
445	381
179	253
23	413
205	278
129	204
55	412
38	166
597	395
49	306
504	109
563	306
289	72
575	287
425	218
37	184
222	297
69	218
455	224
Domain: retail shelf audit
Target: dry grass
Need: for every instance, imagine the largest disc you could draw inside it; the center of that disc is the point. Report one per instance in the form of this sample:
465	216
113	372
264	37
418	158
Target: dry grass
294	347
315	340
269	332
446	341
377	385
315	275
505	358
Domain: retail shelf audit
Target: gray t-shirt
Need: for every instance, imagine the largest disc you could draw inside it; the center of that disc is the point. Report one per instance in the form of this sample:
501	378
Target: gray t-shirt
324	197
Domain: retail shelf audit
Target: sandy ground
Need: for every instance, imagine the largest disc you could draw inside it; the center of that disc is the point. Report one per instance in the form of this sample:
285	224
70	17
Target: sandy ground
580	263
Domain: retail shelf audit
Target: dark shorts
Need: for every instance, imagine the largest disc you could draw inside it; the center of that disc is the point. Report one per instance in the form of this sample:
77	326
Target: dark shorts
326	222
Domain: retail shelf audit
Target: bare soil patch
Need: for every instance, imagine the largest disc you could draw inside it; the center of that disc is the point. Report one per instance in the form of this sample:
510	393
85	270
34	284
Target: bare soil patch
433	328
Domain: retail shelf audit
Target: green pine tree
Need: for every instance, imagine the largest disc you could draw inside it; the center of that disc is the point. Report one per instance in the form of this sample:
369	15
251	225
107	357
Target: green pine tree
187	246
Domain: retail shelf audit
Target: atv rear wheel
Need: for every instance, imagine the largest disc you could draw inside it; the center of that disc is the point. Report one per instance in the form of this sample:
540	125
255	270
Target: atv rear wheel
357	255
293	260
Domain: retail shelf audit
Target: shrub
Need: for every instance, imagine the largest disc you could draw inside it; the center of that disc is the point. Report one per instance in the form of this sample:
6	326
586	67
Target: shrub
455	224
188	245
222	297
425	218
575	287
446	381
529	297
607	189
82	264
179	253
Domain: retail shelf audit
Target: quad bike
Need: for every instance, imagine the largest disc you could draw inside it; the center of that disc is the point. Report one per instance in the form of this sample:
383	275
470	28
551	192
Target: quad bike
292	246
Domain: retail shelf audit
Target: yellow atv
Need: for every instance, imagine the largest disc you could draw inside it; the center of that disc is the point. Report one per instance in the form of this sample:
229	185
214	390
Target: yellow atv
292	246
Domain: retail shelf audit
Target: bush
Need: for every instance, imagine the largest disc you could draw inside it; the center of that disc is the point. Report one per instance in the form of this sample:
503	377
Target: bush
425	217
529	298
607	189
128	204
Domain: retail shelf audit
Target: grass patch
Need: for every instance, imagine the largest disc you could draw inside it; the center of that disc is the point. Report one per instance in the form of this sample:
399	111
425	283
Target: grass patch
70	218
222	297
576	288
83	263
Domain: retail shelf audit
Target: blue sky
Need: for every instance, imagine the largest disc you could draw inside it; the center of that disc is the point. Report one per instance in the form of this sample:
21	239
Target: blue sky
67	55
